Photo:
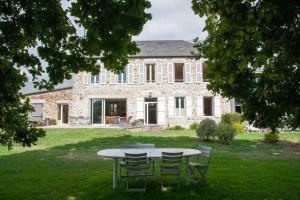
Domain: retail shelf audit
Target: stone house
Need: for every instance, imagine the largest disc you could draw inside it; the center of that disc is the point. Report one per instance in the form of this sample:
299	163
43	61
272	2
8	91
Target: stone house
161	85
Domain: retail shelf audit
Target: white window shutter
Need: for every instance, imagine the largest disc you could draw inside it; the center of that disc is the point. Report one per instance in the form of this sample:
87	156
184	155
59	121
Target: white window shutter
142	73
187	69
199	72
130	73
139	108
199	106
161	111
170	73
171	106
113	78
217	106
188	105
159	72
85	78
102	74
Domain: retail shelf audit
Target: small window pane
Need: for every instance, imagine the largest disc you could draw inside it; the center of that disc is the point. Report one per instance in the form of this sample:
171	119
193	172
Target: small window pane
153	73
182	102
177	102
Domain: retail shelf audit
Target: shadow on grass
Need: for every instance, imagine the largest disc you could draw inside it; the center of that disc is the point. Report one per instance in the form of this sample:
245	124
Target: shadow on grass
73	171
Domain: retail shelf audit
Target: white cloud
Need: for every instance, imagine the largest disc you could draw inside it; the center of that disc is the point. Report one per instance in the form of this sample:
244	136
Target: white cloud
172	20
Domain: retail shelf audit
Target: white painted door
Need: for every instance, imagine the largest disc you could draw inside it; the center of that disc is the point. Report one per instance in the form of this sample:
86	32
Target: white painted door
161	110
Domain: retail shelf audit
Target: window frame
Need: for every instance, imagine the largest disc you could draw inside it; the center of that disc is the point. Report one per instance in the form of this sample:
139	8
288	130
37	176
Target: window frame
123	74
204	74
93	79
32	114
152	75
180	111
183	72
211	106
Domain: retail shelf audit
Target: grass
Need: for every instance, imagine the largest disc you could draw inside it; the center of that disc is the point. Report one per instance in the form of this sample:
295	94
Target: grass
64	165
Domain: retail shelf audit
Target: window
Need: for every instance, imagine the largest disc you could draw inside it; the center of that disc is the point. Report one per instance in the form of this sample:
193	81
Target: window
237	106
37	114
150	73
207	105
204	72
95	79
178	68
179	106
122	77
99	78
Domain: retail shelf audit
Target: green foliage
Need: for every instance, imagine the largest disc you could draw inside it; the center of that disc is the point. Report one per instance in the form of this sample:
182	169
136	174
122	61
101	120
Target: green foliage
251	57
225	133
206	129
176	127
230	118
45	27
194	126
271	137
238	127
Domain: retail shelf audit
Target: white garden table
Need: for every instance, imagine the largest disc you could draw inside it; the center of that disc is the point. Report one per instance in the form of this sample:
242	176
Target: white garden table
117	154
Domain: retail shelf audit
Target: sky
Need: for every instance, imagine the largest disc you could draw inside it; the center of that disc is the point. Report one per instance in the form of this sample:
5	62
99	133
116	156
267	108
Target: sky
172	20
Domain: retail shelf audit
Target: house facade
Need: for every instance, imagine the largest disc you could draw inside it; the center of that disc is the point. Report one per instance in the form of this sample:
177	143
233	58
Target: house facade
162	85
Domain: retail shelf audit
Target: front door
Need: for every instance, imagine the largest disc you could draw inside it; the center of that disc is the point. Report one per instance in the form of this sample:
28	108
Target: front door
150	110
63	113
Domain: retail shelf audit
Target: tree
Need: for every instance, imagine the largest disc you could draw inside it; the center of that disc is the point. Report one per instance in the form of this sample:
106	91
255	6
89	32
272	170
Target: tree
253	54
47	28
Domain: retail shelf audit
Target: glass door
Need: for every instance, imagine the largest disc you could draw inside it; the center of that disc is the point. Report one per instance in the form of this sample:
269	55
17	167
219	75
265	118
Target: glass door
150	111
63	114
97	111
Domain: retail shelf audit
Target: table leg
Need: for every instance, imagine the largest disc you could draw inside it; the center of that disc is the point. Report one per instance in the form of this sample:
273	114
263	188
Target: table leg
187	176
115	173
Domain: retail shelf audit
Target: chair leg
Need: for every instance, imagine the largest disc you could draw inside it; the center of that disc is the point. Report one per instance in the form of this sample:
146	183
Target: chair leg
120	174
178	183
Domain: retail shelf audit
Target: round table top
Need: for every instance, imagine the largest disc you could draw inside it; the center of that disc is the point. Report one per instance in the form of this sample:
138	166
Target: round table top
151	153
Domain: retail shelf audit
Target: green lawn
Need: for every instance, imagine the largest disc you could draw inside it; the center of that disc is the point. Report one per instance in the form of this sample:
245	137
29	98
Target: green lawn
64	165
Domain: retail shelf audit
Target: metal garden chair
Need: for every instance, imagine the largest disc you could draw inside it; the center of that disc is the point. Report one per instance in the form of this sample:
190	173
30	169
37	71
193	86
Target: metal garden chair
136	168
137	146
171	166
201	165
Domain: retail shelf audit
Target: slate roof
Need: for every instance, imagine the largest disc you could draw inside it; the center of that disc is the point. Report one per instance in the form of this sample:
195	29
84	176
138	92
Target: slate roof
29	89
148	49
164	48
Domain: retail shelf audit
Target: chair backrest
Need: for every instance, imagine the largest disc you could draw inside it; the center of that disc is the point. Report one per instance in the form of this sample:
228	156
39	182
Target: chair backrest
205	152
172	158
146	146
137	161
129	119
128	146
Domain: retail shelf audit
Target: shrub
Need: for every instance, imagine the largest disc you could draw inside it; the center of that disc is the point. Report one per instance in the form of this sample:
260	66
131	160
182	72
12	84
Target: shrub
206	129
238	127
225	133
271	137
194	126
176	127
231	118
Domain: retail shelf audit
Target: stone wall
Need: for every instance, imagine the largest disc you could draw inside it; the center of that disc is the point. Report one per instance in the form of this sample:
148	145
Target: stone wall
82	93
51	100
